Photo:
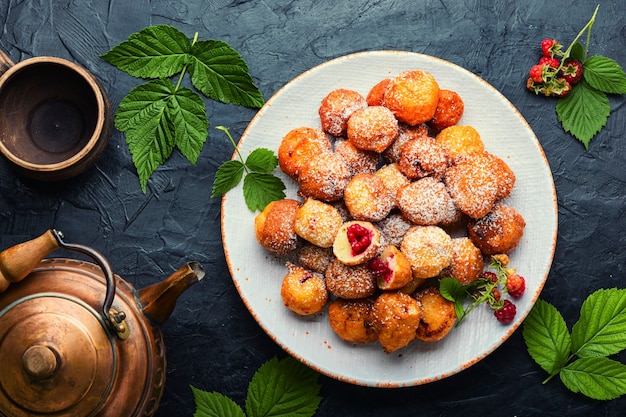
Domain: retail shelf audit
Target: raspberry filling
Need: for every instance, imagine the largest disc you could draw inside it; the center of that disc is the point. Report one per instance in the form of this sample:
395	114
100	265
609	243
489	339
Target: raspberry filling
359	237
380	268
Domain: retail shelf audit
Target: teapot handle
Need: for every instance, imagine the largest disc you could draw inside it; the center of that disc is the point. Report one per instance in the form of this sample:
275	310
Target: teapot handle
113	318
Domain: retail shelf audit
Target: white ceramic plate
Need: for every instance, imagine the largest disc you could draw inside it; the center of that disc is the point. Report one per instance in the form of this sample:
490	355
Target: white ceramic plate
258	274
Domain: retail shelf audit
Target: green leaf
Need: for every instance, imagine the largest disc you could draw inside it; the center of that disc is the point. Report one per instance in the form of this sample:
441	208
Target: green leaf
547	337
604	74
262	160
577	53
227	177
601	329
154	52
583	112
452	290
221	74
189	122
144	115
283	388
214	404
599	378
261	189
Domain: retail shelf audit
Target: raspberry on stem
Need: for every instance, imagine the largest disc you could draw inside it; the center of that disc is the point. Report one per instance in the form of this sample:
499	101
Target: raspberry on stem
515	285
536	73
572	71
506	314
550	47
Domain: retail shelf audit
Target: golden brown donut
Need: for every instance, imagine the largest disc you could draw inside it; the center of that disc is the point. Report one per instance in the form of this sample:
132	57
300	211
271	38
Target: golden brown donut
337	107
372	128
460	140
274	227
412	96
303	292
392	269
405	134
422	157
367	198
438	315
427	202
314	258
324	178
393	228
377	92
449	110
429	250
299	146
467	261
500	231
349	281
357	160
356	242
397	317
393	180
353	320
317	222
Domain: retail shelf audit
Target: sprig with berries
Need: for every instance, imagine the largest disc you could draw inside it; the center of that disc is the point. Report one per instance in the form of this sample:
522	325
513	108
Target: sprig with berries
488	289
579	81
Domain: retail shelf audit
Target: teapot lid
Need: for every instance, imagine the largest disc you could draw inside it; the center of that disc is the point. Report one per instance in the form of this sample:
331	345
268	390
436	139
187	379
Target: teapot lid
57	357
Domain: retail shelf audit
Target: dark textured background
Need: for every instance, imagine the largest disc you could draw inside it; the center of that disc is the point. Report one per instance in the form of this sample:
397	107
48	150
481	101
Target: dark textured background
213	343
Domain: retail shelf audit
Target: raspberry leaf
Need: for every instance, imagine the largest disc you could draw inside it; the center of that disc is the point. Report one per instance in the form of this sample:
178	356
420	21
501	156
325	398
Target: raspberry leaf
227	177
577	52
547	337
154	52
601	329
189	122
261	189
583	112
221	74
599	378
214	404
604	74
283	388
262	160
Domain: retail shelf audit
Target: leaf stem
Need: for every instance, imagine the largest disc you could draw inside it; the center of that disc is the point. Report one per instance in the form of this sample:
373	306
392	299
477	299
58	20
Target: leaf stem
182	73
587	28
225	130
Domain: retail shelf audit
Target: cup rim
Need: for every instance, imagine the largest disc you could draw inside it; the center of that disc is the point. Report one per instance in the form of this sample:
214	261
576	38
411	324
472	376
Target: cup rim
99	128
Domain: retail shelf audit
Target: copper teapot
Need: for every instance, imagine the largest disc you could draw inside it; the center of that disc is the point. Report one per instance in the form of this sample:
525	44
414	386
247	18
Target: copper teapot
78	340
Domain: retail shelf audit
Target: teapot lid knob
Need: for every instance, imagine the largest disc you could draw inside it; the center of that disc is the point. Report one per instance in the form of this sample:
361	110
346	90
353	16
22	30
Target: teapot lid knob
40	362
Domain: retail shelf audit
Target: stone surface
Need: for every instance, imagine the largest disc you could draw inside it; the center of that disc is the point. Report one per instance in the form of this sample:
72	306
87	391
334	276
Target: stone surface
212	341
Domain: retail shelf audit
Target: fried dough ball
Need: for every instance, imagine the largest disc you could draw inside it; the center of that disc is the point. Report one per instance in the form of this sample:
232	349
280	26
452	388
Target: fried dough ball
393	180
349	281
357	160
422	157
429	250
367	198
337	107
412	96
314	258
467	261
393	228
372	128
405	134
449	110
392	269
472	184
427	202
504	174
324	178
303	292
396	318
274	227
460	140
500	231
353	320
299	146
317	222
377	92
438	315
356	242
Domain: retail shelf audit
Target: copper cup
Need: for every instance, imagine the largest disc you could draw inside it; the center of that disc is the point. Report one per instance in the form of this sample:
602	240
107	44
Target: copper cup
55	119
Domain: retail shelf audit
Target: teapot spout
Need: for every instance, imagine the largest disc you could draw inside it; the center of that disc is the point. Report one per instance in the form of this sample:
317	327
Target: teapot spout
157	301
18	261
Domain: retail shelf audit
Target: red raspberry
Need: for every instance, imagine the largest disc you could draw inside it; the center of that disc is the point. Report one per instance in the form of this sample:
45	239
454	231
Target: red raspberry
536	73
507	313
551	62
572	71
359	238
515	285
561	87
548	47
490	276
